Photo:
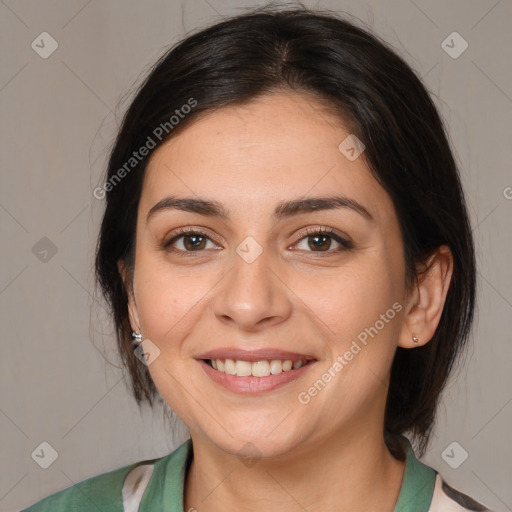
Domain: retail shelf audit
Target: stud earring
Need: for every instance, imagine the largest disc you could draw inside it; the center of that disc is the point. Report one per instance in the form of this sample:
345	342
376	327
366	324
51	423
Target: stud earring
415	340
137	338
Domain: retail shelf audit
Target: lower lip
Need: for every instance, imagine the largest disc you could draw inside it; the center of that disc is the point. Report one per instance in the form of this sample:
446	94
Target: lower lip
253	385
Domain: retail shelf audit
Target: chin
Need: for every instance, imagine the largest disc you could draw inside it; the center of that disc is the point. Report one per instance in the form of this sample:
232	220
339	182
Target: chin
248	442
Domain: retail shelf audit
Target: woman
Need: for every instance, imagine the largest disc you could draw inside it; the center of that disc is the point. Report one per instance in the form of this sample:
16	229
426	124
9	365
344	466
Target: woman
286	241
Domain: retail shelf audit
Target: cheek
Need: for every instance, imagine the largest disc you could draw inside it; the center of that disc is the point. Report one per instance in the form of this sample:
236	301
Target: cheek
169	299
352	299
359	310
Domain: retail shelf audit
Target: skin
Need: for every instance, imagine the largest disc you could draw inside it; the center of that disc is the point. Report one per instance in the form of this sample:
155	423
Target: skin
292	297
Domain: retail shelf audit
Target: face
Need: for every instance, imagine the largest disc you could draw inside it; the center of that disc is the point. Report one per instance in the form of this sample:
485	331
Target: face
251	269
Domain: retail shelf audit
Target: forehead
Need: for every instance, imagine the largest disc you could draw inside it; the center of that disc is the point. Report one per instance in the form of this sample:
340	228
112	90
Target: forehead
251	156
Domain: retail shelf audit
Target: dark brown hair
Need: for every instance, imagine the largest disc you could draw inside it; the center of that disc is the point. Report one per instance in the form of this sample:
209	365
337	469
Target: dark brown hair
383	102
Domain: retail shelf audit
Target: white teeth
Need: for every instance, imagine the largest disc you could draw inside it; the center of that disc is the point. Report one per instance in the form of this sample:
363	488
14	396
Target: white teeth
287	365
276	366
243	368
257	368
229	367
260	369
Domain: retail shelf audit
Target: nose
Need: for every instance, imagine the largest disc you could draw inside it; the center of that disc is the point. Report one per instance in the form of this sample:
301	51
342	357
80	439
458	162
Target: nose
253	296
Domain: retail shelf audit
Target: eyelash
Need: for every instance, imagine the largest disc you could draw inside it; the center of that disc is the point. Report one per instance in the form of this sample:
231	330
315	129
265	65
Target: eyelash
346	244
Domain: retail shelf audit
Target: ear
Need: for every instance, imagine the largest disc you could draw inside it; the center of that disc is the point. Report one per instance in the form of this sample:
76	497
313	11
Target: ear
426	303
132	306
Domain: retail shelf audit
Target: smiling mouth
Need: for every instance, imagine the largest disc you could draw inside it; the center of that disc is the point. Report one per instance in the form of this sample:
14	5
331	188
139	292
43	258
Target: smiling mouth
263	368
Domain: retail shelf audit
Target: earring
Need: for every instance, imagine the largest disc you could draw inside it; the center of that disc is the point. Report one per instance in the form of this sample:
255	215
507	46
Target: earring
137	338
415	340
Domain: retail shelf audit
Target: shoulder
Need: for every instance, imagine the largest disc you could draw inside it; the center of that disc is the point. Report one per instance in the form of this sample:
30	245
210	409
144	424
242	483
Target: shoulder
424	490
446	499
102	492
108	492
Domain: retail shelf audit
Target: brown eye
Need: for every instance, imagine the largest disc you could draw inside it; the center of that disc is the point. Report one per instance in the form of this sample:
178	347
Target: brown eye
194	242
189	241
323	241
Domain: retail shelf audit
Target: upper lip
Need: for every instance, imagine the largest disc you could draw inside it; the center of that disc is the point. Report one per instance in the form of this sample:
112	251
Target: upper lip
253	355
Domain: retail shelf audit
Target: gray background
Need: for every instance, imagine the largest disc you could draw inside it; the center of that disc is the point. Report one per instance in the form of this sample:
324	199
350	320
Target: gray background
59	115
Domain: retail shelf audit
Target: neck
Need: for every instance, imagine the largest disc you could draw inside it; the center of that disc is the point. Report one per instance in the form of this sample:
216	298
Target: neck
357	470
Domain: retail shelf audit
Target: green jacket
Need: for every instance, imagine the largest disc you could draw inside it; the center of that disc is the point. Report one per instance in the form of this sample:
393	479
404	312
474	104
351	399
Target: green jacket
157	486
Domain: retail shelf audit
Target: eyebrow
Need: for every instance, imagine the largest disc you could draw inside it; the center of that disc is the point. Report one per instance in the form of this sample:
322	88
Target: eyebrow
284	209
